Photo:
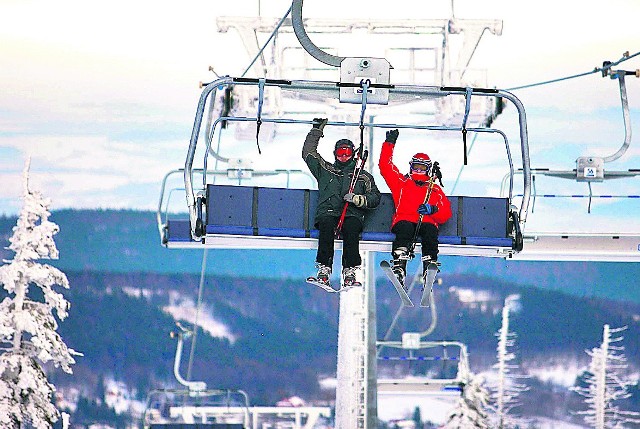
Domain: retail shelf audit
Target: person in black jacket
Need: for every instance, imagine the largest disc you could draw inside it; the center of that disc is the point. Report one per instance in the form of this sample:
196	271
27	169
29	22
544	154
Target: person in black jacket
333	191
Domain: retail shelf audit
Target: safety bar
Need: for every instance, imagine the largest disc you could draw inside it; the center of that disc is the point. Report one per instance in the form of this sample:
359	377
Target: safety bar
396	93
567	174
184	397
463	358
371	125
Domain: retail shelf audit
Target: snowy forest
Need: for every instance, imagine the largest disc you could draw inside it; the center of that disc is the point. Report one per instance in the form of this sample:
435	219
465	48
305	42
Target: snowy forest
42	342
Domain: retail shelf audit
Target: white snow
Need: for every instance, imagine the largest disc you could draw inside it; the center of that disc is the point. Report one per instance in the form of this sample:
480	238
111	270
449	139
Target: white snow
399	407
66	398
558	374
182	308
136	292
293	401
328	383
482	300
545	423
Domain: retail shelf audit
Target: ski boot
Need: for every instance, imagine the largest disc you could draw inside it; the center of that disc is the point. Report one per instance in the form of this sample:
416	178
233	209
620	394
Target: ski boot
430	270
349	277
399	264
427	263
324	272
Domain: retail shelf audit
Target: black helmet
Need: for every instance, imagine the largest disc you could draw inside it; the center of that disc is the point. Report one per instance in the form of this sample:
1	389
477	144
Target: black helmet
344	143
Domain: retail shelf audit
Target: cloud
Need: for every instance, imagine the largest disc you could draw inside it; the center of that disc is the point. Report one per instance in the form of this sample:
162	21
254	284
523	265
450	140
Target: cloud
89	171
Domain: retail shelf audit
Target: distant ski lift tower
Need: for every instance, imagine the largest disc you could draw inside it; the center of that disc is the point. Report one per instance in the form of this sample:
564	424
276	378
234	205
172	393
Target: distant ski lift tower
423	52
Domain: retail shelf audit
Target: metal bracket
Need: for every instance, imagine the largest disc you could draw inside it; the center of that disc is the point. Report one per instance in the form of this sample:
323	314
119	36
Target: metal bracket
374	71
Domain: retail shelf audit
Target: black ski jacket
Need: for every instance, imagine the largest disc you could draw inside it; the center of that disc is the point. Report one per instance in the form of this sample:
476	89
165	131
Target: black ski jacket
334	180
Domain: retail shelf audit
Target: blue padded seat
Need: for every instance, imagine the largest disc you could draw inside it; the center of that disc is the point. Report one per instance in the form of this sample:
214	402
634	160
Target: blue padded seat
279	212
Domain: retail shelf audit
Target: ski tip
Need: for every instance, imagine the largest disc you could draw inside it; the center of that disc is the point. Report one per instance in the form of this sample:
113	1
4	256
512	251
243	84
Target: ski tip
321	285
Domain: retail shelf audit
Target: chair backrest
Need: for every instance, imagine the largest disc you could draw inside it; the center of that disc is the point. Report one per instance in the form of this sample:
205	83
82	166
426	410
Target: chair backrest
283	212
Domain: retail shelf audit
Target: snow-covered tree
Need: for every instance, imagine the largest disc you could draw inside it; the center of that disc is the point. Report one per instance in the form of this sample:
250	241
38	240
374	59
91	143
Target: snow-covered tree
28	337
508	388
471	410
606	384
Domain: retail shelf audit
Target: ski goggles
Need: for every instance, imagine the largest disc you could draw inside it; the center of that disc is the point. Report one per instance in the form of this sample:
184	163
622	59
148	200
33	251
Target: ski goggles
344	151
420	167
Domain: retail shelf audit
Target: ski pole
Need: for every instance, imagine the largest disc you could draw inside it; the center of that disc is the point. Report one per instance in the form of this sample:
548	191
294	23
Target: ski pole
352	185
435	172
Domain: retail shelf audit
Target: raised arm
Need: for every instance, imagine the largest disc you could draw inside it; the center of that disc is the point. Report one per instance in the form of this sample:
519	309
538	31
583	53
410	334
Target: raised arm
388	170
310	153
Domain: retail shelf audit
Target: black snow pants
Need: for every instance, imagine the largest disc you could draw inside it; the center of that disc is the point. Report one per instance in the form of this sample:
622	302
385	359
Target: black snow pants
405	230
351	229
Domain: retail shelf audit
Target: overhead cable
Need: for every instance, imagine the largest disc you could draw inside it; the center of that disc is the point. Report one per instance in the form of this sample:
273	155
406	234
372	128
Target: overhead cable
273	33
604	70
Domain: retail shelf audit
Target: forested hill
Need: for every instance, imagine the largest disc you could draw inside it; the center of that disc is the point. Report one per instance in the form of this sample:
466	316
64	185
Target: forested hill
282	335
125	241
124	285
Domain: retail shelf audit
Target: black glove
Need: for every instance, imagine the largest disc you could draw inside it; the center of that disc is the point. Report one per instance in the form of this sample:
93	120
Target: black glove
319	123
392	136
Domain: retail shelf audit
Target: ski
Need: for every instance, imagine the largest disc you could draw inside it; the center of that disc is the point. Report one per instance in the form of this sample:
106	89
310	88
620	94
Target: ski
386	267
323	285
329	288
427	287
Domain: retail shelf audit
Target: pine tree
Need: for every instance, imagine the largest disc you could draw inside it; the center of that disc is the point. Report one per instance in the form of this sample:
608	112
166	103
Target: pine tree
508	388
471	410
28	337
606	384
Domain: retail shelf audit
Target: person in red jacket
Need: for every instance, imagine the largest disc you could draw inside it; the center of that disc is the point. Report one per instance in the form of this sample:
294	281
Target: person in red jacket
409	192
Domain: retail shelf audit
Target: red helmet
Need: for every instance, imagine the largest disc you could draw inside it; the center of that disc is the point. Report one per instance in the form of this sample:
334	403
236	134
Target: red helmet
420	163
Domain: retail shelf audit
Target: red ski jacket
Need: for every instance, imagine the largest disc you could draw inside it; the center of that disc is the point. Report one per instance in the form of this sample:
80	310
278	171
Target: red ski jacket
408	195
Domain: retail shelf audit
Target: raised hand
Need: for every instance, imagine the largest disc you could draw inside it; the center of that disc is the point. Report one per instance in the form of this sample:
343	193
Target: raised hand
319	123
392	136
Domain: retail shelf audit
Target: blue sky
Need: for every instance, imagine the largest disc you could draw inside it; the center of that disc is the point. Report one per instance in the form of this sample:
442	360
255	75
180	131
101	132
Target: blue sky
102	95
